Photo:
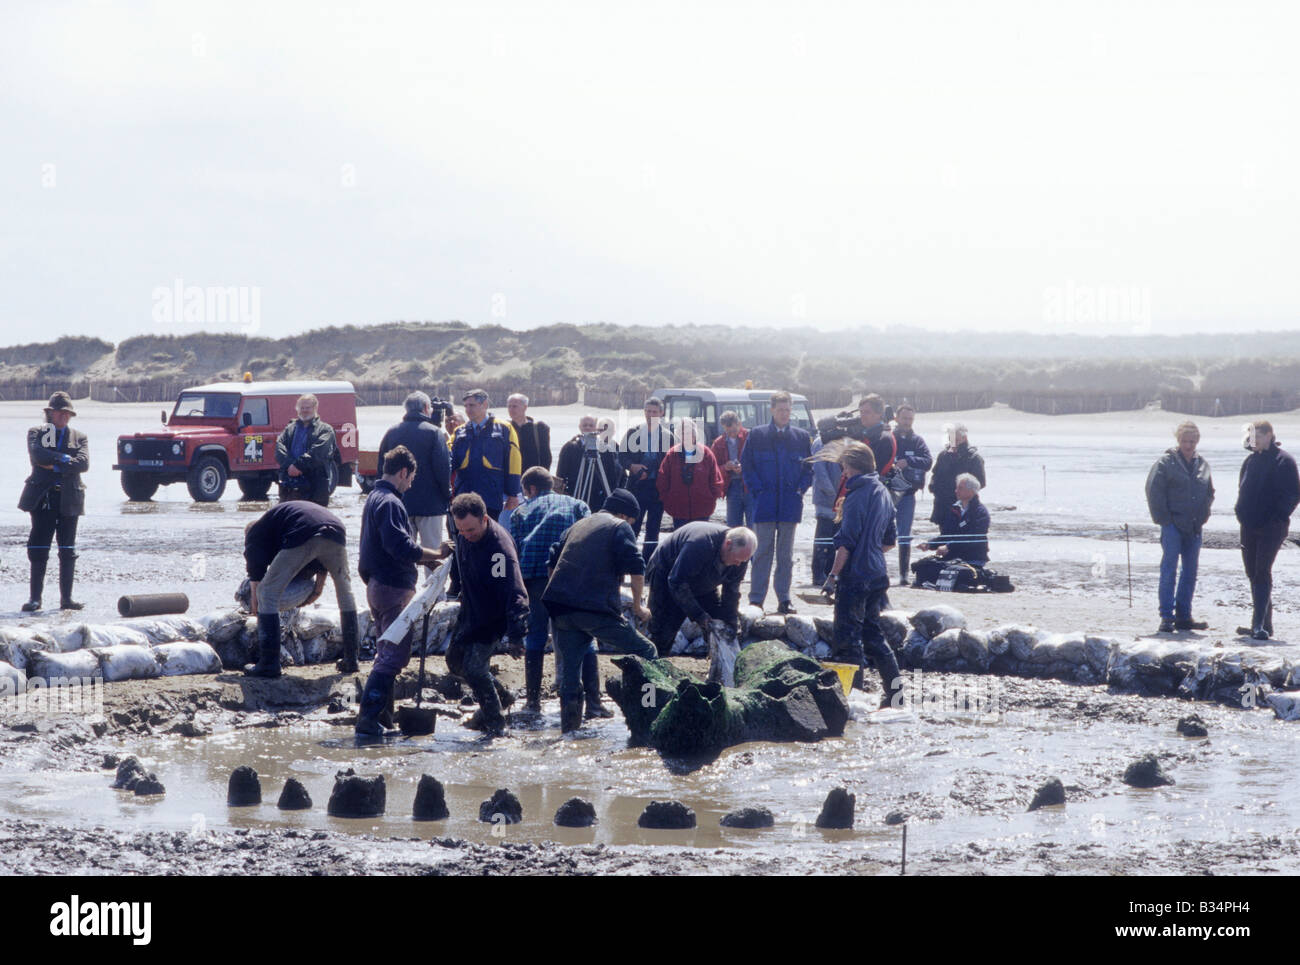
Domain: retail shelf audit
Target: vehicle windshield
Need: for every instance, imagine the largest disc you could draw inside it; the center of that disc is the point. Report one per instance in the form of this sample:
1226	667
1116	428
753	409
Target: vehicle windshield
207	405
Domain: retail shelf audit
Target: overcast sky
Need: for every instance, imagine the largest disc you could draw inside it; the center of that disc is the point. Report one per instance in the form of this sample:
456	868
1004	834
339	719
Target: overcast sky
1108	167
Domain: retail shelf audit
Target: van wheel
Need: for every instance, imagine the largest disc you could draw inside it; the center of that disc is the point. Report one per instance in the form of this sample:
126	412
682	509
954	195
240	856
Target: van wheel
207	479
139	486
255	487
332	476
366	483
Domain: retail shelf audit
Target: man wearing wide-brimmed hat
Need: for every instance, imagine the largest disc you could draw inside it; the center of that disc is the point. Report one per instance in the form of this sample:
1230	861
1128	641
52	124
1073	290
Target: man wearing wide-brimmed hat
55	496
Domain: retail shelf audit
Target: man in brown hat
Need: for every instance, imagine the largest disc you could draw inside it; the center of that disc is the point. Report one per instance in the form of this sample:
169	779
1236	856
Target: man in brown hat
55	496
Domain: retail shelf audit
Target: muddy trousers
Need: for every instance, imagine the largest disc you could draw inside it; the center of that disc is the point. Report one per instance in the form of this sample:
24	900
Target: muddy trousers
574	635
1259	546
858	634
46	524
468	656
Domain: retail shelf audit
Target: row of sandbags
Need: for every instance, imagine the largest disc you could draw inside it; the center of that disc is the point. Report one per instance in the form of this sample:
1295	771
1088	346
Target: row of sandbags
127	661
18	644
937	639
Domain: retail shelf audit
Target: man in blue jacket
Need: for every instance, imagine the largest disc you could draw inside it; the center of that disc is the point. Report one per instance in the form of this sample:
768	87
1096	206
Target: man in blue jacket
1268	491
859	576
427	500
389	554
696	572
776	473
485	457
963	534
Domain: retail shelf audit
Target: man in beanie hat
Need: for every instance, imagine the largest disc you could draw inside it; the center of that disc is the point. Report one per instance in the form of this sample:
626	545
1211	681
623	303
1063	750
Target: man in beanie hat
55	497
582	597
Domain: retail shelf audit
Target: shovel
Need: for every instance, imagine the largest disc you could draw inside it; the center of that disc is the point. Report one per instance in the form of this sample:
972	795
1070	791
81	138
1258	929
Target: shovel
418	721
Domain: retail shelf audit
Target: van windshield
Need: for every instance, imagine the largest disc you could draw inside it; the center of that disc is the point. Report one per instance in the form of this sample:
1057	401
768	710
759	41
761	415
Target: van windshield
207	405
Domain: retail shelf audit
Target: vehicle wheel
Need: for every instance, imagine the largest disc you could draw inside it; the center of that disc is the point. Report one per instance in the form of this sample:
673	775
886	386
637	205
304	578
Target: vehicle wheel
139	486
207	479
366	483
332	476
254	487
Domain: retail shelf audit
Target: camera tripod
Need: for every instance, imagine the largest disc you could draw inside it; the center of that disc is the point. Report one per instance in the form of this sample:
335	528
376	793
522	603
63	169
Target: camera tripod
591	464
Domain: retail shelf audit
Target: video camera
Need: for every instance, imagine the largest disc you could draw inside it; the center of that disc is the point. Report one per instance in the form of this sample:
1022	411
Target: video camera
847	423
439	409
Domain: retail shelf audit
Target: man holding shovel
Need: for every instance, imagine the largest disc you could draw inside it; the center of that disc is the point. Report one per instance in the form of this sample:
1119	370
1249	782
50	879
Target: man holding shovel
389	554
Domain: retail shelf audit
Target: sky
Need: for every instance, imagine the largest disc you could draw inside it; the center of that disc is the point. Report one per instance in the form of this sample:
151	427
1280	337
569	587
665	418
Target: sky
1093	167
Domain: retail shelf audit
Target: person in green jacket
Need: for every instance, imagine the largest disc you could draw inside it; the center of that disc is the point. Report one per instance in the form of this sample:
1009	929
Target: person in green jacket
304	451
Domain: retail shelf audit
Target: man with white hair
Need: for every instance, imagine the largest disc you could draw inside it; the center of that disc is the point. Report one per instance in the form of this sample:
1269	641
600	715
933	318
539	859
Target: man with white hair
959	457
304	451
963	534
427	500
696	572
534	437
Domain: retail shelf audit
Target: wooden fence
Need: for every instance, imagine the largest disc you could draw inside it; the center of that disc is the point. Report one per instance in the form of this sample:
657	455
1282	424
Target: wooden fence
1243	403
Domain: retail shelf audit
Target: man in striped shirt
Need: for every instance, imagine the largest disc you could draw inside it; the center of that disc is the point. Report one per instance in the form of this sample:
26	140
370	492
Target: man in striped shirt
540	522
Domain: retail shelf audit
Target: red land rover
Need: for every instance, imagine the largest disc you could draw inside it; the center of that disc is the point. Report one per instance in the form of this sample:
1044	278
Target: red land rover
229	429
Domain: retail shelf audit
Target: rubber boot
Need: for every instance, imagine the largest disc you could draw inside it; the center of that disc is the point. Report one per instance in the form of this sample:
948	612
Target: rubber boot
375	696
348	624
533	660
39	560
67	572
591	687
887	665
268	647
504	696
488	718
1260	597
904	557
570	714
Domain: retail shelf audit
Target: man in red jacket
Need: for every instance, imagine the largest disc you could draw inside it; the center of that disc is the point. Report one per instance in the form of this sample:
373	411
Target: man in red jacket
727	450
689	482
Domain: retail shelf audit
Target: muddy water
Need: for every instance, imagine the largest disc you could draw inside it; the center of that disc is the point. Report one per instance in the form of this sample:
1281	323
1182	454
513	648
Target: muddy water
964	780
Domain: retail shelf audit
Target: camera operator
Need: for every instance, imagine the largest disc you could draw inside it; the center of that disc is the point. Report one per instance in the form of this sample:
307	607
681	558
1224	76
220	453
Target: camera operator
593	442
427	500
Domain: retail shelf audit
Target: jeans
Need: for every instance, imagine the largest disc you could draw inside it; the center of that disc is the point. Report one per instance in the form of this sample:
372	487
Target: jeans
782	535
1175	545
539	621
823	549
1259	546
858	634
288	563
574	633
651	514
740	508
386	604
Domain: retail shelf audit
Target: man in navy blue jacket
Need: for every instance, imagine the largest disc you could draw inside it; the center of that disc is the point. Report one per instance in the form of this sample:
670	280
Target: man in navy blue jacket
430	493
859	576
911	462
689	567
389	555
1268	492
777	474
963	534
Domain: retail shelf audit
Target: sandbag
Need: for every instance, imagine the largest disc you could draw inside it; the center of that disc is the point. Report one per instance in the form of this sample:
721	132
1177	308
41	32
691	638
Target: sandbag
723	653
749	615
127	662
12	681
165	629
932	621
222	626
313	621
294	595
771	627
800	631
69	638
98	636
51	666
17	643
183	659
